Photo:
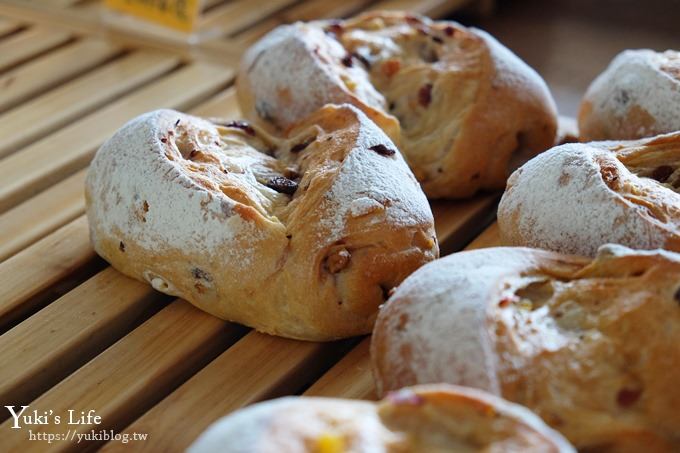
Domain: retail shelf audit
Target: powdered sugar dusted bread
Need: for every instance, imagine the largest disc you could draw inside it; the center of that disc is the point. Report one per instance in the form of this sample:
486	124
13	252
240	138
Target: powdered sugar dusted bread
576	197
463	109
637	96
589	346
423	419
299	236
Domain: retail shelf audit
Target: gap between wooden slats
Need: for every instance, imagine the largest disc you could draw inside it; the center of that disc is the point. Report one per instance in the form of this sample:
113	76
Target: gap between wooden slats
67	252
309	10
30	43
8	27
63	153
41	74
66	103
226	384
237	15
352	377
131	375
55	206
47	347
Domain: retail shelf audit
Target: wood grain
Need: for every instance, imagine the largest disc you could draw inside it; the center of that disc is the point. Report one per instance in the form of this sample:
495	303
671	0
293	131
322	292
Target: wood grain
257	367
261	359
29	43
56	108
45	212
28	278
39	216
352	377
22	82
57	156
131	376
49	345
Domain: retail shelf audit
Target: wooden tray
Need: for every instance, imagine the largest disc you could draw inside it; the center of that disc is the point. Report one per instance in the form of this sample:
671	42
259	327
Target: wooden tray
74	333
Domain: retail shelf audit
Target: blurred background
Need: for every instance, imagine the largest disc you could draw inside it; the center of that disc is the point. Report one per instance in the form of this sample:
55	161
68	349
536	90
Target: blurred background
569	42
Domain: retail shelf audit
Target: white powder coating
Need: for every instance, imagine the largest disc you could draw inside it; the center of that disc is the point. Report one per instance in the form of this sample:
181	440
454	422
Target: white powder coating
294	59
446	323
560	201
369	181
285	424
131	168
640	79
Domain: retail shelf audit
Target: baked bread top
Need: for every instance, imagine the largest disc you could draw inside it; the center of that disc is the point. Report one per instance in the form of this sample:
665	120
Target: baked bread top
576	197
590	346
300	236
426	419
463	109
638	95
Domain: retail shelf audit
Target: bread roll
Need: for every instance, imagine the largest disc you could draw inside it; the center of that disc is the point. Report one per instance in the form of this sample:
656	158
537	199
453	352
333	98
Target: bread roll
637	96
576	197
426	419
589	346
299	236
464	110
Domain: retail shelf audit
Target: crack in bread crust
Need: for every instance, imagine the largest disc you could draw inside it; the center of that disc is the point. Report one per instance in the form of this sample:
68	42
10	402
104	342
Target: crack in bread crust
244	224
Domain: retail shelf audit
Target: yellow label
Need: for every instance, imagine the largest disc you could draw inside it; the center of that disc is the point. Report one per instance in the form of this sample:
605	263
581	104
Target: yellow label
178	14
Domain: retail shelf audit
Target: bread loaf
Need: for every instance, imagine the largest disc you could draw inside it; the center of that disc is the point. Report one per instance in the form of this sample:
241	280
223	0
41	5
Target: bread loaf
464	110
590	346
300	236
422	419
637	96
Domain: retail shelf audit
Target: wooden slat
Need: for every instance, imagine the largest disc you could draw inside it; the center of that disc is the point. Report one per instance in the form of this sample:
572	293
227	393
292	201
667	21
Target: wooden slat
57	156
8	26
54	109
257	367
458	222
28	43
489	238
126	379
27	80
49	345
26	223
62	254
305	11
352	377
237	15
228	390
44	213
432	8
36	270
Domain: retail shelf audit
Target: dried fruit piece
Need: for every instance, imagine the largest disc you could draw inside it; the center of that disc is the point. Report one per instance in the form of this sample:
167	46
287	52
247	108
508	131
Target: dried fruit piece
383	150
282	185
243	125
425	95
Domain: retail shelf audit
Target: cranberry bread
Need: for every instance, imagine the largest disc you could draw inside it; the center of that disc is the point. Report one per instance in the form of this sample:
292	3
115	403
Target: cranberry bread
637	96
299	236
589	346
576	197
424	419
463	109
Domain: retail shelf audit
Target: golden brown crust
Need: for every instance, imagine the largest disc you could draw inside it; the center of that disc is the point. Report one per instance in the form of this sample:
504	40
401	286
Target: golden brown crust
629	189
300	237
463	109
425	419
591	347
637	96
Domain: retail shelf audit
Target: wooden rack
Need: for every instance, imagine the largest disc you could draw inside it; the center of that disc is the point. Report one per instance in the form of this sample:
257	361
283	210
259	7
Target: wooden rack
74	333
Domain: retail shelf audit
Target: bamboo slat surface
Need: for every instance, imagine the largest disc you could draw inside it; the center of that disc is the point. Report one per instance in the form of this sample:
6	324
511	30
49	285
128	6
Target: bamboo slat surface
74	333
